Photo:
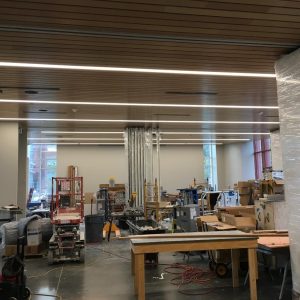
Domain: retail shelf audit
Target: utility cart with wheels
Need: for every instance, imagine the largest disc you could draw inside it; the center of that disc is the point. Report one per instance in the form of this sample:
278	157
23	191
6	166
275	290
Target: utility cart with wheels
12	277
67	211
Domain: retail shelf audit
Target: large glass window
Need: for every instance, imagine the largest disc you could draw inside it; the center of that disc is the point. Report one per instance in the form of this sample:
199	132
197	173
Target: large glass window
262	156
42	167
210	165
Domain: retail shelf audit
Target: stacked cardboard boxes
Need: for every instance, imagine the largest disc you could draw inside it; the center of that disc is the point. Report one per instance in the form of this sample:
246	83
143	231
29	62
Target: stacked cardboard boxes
271	215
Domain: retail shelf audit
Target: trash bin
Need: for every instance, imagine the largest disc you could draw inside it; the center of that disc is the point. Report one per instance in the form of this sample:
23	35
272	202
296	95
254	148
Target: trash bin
94	228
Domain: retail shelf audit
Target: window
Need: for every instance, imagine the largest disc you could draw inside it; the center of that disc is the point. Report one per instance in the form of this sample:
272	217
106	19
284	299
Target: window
262	156
210	165
42	167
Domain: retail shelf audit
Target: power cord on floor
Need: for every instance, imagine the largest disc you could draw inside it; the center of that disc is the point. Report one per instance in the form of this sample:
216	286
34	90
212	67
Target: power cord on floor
185	275
43	274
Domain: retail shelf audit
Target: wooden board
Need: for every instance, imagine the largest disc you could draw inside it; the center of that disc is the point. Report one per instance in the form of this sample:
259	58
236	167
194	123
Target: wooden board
220	226
274	241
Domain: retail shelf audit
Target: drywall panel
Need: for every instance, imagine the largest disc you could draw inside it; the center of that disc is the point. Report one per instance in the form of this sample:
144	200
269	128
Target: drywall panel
95	164
8	163
235	163
180	165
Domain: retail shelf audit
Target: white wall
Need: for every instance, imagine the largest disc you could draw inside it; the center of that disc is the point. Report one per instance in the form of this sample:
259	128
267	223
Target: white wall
95	164
235	163
8	163
179	165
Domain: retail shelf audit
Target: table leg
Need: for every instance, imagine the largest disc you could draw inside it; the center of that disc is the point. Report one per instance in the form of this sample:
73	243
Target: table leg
252	261
136	275
235	262
140	275
132	263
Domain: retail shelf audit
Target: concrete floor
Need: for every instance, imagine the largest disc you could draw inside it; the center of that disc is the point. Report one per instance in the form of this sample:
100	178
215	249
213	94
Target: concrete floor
106	276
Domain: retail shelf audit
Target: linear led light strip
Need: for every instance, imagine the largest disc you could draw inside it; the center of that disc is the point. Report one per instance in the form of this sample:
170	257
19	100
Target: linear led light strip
116	139
214	133
135	104
132	70
136	121
80	132
162	132
123	144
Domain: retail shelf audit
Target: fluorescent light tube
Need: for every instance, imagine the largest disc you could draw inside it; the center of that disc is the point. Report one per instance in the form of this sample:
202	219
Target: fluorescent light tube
213	133
81	132
74	139
212	139
88	103
132	70
137	121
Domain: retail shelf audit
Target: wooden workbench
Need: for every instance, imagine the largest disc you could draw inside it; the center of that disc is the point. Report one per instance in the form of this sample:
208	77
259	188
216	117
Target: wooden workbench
233	240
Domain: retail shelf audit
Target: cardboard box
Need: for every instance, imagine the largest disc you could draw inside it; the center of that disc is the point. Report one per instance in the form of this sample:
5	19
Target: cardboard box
244	190
237	210
242	184
241	223
10	250
34	233
244	199
259	214
89	198
271	215
278	186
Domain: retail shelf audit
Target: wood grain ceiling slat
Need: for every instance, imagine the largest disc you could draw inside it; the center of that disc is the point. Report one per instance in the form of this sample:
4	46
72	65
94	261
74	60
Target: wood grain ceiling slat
82	53
78	50
209	16
204	8
8	7
271	36
131	44
201	4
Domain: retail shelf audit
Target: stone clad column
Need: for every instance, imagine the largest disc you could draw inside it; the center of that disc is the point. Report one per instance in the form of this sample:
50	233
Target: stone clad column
288	87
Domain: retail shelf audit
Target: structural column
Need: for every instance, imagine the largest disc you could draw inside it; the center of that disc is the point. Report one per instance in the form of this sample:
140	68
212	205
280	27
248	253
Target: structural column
9	163
288	85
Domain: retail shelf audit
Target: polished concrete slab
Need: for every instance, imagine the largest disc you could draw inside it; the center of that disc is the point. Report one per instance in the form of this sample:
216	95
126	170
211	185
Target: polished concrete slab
106	275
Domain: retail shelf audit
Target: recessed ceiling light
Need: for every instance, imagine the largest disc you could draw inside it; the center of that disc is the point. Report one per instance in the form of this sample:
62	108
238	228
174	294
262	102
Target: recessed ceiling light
89	103
133	70
137	121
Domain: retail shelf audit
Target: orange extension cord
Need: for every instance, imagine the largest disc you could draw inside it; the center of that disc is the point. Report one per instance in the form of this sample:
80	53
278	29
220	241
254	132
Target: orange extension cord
186	275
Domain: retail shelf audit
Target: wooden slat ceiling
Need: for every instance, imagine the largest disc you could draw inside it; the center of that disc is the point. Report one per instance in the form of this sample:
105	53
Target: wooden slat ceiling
224	35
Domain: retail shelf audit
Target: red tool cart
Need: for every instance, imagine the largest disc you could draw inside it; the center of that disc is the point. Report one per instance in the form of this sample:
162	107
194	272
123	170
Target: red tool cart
67	211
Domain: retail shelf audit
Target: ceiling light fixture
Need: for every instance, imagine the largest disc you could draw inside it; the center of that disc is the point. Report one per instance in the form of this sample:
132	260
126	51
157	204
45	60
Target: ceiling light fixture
76	143
81	132
88	103
138	121
162	132
213	133
73	139
59	143
132	70
212	139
